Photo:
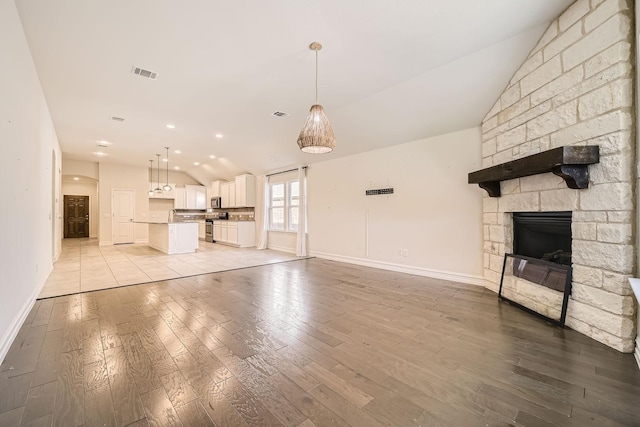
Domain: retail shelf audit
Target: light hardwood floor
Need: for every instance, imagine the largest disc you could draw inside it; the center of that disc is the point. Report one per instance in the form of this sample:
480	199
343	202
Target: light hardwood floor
304	343
85	266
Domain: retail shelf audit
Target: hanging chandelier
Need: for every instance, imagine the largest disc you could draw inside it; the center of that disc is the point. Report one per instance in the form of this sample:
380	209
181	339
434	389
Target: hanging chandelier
158	190
316	136
150	177
167	187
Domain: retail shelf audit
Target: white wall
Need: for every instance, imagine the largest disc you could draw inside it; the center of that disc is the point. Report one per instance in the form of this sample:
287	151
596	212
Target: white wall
29	220
80	168
433	214
84	189
123	177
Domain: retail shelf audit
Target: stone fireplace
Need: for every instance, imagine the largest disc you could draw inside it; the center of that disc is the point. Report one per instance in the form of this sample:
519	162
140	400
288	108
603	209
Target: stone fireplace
575	88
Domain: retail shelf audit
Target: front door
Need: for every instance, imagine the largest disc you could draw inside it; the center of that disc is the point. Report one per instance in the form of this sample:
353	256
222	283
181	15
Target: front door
76	216
123	203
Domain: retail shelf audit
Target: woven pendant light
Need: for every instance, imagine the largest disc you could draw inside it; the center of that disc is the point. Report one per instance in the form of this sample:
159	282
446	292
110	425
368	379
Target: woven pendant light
316	136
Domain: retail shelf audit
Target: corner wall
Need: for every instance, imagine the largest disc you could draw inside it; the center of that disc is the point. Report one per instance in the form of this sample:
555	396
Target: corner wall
433	215
30	166
575	88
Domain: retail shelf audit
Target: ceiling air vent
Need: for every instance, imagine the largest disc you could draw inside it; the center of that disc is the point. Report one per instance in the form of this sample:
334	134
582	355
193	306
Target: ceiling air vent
117	119
280	114
144	73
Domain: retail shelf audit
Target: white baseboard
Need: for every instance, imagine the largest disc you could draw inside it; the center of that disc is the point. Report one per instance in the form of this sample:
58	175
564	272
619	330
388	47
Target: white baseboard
141	241
18	321
282	249
105	243
418	271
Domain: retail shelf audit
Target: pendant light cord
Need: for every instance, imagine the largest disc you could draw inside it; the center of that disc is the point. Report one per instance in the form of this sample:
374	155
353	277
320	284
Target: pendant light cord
316	76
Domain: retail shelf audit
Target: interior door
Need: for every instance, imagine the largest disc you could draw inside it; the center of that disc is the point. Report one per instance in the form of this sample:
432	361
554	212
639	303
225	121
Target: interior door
122	207
76	216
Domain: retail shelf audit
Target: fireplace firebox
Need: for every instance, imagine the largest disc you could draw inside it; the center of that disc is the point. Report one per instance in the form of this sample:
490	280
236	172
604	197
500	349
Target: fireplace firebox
537	275
543	235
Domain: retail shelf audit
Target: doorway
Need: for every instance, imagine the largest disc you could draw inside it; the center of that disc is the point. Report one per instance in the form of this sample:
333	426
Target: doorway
123	211
76	216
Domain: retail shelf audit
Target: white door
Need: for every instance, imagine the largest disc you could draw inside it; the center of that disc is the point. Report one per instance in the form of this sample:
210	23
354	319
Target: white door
122	208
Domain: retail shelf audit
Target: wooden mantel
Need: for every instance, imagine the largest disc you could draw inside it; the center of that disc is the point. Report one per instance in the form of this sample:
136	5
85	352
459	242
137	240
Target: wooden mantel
569	162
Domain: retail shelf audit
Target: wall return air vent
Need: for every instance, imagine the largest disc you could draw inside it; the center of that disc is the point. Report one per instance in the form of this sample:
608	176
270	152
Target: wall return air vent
144	73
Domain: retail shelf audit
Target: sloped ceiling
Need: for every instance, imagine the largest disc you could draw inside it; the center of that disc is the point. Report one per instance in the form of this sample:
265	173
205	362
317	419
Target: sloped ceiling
390	72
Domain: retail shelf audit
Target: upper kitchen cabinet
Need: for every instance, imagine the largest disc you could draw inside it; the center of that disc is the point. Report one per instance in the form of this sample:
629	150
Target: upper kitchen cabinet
196	196
181	198
228	194
213	190
245	191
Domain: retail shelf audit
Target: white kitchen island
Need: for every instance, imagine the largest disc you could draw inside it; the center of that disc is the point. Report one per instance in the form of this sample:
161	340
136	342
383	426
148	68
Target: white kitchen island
174	237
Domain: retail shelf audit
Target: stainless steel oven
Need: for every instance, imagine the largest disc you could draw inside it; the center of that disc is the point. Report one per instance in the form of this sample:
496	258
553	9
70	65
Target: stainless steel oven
208	230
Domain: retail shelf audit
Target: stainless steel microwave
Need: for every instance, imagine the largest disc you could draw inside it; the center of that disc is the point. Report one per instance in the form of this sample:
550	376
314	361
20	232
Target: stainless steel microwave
216	202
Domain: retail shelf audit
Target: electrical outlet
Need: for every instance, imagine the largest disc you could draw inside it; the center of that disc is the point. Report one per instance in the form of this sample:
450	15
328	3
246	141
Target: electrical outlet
404	252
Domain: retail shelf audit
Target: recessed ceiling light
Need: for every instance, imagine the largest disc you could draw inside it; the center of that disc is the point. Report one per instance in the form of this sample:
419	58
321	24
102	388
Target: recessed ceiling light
219	135
177	168
196	163
177	151
212	156
165	160
100	153
75	178
170	126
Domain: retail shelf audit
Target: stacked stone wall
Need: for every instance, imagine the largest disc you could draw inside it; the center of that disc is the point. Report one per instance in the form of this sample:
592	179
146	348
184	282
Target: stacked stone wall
575	88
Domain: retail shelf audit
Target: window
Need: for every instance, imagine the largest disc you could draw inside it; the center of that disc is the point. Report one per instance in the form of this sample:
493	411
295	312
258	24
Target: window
277	207
284	206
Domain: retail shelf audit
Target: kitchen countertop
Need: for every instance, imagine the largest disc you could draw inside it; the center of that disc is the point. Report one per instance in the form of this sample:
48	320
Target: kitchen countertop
165	222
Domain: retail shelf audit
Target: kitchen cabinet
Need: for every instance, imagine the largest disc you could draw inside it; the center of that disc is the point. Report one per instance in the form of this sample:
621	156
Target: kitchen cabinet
196	196
180	198
213	190
245	191
224	194
232	195
232	233
174	238
165	194
235	233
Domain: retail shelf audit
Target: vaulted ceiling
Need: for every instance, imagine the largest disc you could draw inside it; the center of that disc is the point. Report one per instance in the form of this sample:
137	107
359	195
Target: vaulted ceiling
389	72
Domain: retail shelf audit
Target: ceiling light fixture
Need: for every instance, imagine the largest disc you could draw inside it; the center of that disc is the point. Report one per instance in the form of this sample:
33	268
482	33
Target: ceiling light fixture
316	136
212	156
158	190
219	135
150	178
177	168
100	153
177	151
196	163
75	178
167	187
170	126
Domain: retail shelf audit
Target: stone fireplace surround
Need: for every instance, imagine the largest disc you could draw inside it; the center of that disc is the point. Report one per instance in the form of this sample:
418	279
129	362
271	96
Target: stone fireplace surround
575	88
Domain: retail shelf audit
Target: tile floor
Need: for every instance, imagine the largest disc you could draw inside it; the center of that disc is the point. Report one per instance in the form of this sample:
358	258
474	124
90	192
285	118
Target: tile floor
85	266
